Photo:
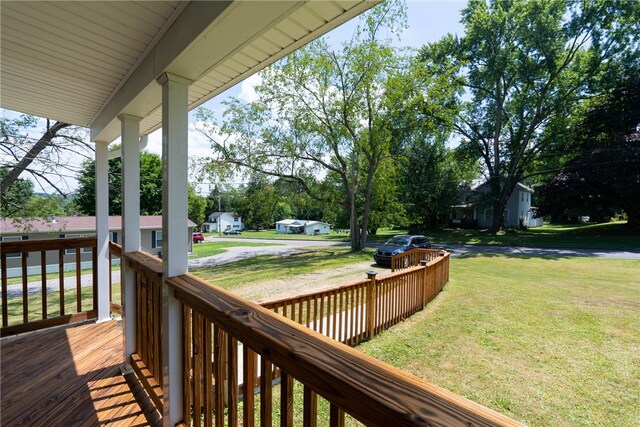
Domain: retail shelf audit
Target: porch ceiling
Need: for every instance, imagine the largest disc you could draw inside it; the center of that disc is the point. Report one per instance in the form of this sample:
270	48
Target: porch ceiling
87	62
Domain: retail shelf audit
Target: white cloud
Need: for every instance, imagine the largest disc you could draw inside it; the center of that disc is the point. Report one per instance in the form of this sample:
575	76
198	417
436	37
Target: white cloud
247	88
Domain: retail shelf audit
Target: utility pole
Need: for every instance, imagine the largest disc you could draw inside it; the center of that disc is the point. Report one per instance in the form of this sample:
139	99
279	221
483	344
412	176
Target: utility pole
219	216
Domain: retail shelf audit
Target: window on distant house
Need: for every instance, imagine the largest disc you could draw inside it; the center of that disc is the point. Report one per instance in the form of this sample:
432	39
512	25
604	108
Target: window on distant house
14	239
114	237
156	239
236	219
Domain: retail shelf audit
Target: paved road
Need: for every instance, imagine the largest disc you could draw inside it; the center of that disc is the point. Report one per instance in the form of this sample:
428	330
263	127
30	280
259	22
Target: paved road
288	247
456	250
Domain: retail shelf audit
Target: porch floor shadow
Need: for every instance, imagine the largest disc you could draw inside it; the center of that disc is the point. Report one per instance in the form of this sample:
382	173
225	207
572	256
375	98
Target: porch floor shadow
70	376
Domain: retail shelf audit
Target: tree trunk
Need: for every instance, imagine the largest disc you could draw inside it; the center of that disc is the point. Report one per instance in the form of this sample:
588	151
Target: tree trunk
37	148
366	214
353	226
633	218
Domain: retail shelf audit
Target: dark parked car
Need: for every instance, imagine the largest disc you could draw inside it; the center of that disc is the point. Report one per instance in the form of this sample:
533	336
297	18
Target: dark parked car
397	245
198	237
231	231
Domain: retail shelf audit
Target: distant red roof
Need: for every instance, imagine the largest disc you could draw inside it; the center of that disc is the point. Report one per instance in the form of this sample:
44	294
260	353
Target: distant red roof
75	223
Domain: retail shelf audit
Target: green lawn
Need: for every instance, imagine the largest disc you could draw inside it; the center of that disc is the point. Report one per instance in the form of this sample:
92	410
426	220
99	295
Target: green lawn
546	341
613	235
204	249
237	274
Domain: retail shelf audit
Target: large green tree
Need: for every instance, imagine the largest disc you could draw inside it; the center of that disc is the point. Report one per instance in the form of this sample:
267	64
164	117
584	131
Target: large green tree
321	111
602	172
521	69
150	186
16	196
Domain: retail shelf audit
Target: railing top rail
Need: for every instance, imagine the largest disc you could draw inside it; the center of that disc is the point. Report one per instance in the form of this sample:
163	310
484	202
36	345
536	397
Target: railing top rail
280	300
115	249
47	244
146	261
368	389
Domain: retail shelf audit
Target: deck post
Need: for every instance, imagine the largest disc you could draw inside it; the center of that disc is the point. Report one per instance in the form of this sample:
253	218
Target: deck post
371	301
130	126
175	236
102	230
423	296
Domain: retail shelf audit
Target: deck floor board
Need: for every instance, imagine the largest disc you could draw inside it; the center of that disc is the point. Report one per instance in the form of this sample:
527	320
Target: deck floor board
69	376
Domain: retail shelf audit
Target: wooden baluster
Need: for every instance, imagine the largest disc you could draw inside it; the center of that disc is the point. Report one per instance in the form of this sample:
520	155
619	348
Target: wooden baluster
286	400
310	410
232	369
61	276
336	416
25	289
187	394
341	316
322	316
207	360
266	393
335	316
248	384
219	366
43	272
94	269
198	350
78	281
5	305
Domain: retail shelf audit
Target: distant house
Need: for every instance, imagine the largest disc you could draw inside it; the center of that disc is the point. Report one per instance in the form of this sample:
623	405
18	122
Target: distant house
299	226
78	226
474	210
220	221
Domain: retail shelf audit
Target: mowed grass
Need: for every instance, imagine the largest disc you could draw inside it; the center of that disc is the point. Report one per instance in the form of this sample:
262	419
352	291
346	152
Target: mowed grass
546	341
238	274
612	235
204	249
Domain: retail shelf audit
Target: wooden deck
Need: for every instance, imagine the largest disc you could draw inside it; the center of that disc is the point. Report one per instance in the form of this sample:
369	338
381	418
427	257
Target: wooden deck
70	377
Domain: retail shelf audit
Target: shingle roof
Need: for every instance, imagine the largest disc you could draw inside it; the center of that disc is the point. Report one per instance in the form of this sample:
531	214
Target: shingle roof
76	223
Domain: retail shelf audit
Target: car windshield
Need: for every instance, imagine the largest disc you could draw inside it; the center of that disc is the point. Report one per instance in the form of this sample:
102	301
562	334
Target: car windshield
399	240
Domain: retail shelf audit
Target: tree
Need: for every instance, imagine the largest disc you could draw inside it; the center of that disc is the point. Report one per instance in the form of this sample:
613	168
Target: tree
603	172
197	205
45	158
525	65
16	196
321	111
150	186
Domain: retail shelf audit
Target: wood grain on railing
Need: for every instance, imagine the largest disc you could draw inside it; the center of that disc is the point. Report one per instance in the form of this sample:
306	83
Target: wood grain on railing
115	251
367	389
148	272
413	257
23	313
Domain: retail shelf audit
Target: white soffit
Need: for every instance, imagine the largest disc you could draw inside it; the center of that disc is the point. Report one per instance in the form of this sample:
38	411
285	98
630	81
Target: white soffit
86	62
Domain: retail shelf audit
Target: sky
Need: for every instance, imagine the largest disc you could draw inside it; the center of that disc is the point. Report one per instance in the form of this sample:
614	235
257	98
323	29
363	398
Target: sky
428	21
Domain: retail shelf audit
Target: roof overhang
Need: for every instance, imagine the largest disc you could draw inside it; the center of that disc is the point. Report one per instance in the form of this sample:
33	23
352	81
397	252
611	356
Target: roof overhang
88	62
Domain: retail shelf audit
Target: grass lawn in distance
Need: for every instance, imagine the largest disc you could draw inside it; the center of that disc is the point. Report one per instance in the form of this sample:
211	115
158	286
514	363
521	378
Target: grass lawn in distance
547	341
613	235
204	249
237	274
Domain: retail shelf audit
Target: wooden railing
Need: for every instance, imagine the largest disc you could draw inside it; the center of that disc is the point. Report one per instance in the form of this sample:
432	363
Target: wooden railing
246	365
32	304
147	359
115	286
337	312
223	332
413	257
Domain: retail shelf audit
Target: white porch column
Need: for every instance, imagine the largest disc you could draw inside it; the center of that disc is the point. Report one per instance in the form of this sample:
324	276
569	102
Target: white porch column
102	228
174	237
130	155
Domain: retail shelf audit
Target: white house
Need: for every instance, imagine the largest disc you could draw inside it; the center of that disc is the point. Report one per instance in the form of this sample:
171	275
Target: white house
220	221
518	211
299	226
